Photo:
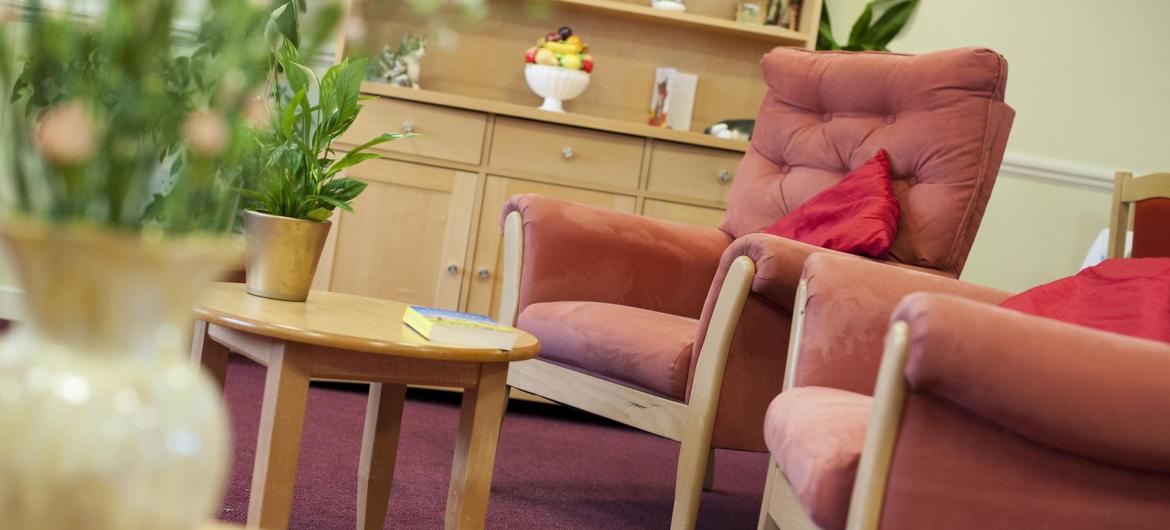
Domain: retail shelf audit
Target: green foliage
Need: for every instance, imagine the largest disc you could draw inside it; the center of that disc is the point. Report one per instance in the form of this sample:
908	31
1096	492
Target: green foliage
866	33
124	96
299	173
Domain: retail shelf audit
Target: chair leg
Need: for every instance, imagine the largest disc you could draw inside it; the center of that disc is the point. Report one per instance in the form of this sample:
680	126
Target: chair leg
688	485
766	521
709	478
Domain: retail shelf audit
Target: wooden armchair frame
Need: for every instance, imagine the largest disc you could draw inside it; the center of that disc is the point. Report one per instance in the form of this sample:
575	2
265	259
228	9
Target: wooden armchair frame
1127	190
689	423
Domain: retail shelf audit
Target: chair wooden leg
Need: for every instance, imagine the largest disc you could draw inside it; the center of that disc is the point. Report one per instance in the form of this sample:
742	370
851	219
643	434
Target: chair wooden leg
709	477
475	448
212	355
688	485
766	521
379	446
282	415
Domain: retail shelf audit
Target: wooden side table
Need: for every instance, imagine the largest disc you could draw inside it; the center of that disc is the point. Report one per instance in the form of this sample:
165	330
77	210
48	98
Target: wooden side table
346	337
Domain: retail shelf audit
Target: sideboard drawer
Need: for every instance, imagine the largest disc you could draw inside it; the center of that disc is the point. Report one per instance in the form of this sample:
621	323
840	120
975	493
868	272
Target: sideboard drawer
566	152
443	132
690	171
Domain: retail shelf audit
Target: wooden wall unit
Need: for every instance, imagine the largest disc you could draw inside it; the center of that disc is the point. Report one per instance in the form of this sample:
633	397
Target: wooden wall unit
427	231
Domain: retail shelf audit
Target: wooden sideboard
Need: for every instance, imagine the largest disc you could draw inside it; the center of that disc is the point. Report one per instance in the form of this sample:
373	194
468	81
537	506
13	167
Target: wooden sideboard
427	230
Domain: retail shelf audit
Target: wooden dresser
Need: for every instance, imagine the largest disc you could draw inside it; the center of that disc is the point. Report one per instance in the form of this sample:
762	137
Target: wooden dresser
427	230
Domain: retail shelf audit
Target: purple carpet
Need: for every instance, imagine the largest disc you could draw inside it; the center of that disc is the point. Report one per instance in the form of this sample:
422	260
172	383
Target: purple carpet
556	468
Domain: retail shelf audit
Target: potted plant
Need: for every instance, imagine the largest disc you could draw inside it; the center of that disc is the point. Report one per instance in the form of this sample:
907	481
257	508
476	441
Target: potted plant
300	181
101	114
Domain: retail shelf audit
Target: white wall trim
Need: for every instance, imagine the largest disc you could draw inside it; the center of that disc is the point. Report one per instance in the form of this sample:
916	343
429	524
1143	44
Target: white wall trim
1054	169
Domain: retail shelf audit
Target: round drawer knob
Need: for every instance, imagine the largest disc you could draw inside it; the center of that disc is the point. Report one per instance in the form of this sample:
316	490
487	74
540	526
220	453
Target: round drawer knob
724	175
483	273
567	153
453	268
407	127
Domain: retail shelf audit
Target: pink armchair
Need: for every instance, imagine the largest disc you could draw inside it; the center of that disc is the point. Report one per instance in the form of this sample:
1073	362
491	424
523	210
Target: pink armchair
681	331
983	417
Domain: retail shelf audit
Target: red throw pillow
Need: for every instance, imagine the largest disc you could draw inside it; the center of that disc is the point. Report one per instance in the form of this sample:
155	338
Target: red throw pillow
858	215
1127	296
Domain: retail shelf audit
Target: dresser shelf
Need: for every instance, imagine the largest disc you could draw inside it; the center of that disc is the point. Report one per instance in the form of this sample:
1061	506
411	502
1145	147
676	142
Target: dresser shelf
567	118
779	36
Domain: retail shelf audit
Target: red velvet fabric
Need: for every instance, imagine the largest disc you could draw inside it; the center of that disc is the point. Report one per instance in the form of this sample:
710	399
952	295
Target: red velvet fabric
1126	296
1151	239
859	215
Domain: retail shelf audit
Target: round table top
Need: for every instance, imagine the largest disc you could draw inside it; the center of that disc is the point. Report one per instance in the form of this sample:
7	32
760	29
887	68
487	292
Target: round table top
342	321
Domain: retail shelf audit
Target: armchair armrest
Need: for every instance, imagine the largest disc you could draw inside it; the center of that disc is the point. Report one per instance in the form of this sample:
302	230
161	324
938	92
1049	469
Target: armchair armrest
847	303
584	253
1089	392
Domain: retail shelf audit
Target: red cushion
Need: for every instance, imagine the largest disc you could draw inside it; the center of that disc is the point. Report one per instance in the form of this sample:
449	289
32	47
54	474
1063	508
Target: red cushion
858	215
1127	296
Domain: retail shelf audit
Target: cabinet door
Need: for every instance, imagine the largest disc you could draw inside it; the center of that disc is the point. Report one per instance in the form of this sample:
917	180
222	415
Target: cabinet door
683	213
407	237
487	274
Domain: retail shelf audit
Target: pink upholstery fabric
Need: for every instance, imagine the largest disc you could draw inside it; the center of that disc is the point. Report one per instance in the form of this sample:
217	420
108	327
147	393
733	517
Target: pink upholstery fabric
644	348
584	253
1088	392
847	313
955	470
941	117
815	435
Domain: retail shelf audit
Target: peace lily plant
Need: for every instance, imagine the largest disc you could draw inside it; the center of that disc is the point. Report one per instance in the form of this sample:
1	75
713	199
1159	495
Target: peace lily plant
300	181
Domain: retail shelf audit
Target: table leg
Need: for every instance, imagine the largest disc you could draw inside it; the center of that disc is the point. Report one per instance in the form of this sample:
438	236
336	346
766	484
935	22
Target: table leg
475	448
379	445
282	415
212	355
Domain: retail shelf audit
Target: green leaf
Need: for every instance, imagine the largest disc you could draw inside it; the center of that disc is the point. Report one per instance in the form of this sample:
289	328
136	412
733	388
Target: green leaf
343	189
861	27
385	137
890	24
319	214
333	203
352	158
290	112
825	32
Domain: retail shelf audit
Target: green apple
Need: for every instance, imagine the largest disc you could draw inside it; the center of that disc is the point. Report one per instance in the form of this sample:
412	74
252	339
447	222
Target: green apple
571	61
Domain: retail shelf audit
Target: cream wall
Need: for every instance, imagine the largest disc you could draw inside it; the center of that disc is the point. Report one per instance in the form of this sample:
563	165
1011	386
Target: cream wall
1090	82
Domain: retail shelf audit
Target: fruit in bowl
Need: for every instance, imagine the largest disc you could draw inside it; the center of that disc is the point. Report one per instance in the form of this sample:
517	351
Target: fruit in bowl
561	48
558	68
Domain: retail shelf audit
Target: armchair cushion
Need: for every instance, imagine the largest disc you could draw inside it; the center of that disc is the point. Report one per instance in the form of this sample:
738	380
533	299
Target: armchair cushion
815	435
1126	296
859	215
633	346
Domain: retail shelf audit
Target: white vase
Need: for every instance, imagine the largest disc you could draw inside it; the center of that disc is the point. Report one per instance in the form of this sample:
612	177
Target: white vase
105	422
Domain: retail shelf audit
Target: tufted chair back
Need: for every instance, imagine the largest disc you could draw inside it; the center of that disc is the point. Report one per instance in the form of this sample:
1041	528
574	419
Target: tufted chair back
940	116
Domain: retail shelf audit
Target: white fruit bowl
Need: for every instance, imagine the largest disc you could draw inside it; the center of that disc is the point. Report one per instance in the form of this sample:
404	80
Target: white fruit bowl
555	84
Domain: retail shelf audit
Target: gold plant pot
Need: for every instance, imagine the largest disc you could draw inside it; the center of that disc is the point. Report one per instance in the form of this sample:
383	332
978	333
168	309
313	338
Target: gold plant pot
282	254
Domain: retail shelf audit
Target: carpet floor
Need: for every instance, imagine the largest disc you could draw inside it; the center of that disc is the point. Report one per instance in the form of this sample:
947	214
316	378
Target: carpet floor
556	467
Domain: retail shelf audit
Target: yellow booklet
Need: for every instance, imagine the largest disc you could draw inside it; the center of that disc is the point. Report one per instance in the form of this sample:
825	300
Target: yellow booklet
461	329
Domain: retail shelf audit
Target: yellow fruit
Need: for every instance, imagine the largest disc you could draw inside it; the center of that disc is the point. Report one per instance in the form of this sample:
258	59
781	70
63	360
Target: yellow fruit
563	48
572	62
546	56
575	40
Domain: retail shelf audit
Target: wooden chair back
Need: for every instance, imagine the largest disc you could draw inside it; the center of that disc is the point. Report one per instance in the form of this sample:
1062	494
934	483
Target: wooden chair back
1128	191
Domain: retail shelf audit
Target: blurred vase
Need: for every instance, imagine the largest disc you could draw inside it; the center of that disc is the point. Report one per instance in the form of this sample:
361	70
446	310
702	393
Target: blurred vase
106	423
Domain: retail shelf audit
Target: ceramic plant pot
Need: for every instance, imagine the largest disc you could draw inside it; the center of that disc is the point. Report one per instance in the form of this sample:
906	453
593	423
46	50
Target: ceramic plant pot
282	254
